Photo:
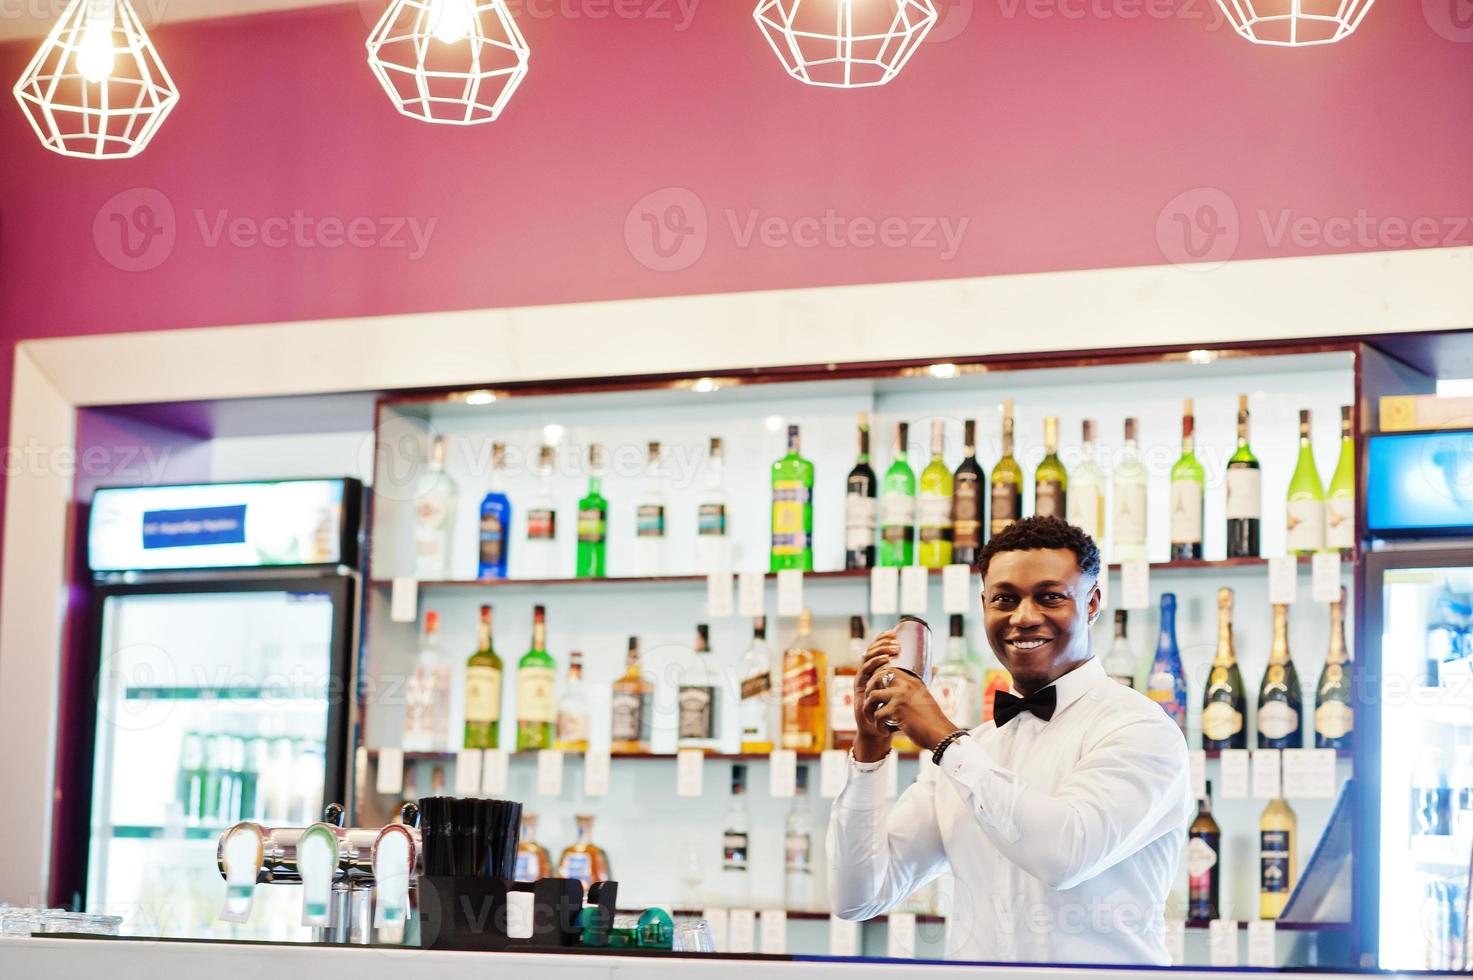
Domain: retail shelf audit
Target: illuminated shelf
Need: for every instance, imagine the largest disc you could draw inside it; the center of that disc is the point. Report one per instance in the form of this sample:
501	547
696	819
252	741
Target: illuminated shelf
1339	753
143	832
530	755
278	696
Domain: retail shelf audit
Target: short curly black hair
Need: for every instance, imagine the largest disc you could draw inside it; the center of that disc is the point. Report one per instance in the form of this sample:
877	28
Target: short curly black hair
1043	532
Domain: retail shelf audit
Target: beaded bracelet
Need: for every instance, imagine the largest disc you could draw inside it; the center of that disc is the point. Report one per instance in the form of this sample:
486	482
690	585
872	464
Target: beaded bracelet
945	744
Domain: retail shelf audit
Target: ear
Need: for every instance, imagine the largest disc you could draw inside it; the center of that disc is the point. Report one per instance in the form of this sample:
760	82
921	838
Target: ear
1096	601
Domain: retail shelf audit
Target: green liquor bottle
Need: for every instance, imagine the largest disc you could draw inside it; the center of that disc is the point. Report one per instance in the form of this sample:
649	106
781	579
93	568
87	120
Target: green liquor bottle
1007	479
898	506
593	520
483	691
1340	495
1244	493
1305	519
1186	494
934	512
1051	480
792	509
537	690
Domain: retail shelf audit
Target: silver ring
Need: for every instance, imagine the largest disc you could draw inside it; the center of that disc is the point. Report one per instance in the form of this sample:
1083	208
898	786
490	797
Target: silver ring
888	678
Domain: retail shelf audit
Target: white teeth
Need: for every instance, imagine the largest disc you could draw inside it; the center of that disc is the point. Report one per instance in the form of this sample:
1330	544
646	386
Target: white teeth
1029	644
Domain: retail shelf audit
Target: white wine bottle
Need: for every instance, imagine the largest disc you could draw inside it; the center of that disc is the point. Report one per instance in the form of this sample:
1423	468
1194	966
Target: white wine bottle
1086	499
1128	535
1340	497
1305	519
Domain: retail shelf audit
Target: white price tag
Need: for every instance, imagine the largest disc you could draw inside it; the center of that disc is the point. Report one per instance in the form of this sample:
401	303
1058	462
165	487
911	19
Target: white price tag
782	774
751	594
690	770
719	592
1135	585
1283	579
956	589
833	773
1222	939
1197	763
1309	774
774	932
1266	767
549	773
720	922
1326	576
390	781
789	592
843	937
493	772
741	935
596	772
884	590
1234	774
1176	941
1262	950
914	586
404	601
468	772
901	931
892	776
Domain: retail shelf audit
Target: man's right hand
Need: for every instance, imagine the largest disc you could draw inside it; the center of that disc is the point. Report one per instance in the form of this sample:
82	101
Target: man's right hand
872	740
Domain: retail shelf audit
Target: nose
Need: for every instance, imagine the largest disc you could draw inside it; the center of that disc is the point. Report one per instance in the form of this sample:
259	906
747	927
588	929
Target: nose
1025	615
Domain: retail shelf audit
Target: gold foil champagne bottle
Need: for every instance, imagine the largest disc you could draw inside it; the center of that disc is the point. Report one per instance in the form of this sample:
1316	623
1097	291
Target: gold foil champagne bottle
1224	704
1334	714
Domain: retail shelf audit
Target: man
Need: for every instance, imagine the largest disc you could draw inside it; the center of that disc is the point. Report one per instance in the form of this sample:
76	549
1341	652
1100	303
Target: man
1062	820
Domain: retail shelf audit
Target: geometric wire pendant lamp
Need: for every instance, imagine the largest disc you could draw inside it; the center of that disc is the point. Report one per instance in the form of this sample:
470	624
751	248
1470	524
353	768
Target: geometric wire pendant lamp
845	43
97	87
1295	23
448	61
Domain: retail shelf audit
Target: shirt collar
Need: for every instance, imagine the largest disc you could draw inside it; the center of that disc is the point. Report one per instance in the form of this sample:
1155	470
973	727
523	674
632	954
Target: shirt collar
1075	684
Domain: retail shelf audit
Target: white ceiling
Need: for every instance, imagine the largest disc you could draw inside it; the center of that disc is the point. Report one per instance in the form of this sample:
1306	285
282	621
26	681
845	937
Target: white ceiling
34	18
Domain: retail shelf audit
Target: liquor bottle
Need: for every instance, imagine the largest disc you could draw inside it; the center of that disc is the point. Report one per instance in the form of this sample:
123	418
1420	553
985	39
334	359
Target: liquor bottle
630	708
1006	488
736	876
1121	661
533	861
933	511
189	789
1128	542
1186	494
1280	707
593	520
843	728
572	712
798	881
759	699
1167	685
1460	792
713	542
1334	713
1431	795
1204	850
966	501
1087	488
860	513
805	702
792	509
997	680
540	561
427	695
1305	521
583	860
1244	493
1051	480
698	698
1225	702
434	517
649	520
483	691
1340	495
898	506
494	544
1278	840
955	685
536	690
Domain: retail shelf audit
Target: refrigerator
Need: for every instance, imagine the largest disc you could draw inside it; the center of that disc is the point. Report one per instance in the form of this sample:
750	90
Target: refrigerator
1415	831
224	625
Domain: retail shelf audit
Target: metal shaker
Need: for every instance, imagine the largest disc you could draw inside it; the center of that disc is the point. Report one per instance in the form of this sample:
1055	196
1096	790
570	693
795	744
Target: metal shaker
914	637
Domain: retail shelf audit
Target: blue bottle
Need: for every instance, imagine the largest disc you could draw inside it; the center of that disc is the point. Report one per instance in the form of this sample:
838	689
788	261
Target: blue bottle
1167	685
495	523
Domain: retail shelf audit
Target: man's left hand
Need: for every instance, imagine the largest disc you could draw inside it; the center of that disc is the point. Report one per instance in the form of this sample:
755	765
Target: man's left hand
906	702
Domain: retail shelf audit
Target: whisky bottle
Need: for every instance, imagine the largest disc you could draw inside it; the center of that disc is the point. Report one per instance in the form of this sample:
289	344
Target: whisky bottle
1225	702
536	690
761	699
427	694
434	517
1204	864
792	509
593	521
1334	713
533	861
842	725
1186	494
805	715
583	860
483	691
698	699
713	538
1128	533
1244	493
649	520
933	511
1340	495
540	559
1121	661
572	714
494	544
630	708
1051	480
1278	839
1280	707
1305	519
1087	488
860	511
898	506
966	501
1006	487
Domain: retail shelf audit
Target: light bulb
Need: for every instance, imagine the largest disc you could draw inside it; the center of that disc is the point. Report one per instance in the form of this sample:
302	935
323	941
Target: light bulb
95	52
451	20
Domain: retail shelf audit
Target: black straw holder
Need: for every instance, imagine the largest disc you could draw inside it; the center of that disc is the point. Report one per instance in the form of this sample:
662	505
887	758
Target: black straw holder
470	913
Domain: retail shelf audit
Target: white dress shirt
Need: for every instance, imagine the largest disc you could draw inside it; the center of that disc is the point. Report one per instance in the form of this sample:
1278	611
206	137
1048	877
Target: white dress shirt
1063	837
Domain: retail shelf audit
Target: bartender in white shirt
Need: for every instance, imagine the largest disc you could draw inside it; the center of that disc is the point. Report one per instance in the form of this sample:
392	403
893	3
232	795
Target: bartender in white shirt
1062	820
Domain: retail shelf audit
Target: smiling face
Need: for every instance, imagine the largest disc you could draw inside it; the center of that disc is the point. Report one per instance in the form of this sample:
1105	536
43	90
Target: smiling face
1038	608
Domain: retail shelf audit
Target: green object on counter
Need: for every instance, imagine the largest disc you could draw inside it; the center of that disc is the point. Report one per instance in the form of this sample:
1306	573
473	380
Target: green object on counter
594	927
656	929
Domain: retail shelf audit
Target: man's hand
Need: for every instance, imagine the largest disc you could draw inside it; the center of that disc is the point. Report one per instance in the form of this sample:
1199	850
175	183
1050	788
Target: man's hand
872	740
886	694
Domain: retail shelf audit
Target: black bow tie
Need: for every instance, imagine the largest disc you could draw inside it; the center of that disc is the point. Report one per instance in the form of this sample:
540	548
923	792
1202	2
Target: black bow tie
1006	707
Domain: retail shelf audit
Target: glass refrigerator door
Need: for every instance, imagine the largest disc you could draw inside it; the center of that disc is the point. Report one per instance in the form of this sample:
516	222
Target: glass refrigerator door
1426	765
212	709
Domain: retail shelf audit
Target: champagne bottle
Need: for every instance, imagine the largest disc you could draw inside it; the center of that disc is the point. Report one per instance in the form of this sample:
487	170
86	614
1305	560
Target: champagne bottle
966	501
1007	479
1334	715
1204	864
1186	494
1087	488
1225	702
1167	685
483	690
1128	542
1340	497
792	509
898	506
1278	839
536	684
1305	520
1244	493
1051	480
593	520
1280	707
934	510
859	506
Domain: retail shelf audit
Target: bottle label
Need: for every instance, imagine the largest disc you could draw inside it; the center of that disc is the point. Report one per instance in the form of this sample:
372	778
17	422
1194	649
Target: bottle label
1244	493
592	524
1305	525
966	512
1334	719
1161	688
1048	499
649	521
535	699
956	697
696	717
1273	850
800	678
627	707
542	525
527	866
859	522
578	865
1221	721
422	692
934	513
572	728
1186	512
1277	720
789	530
1340	522
797	858
1084	508
482	695
841	703
711	520
1201	859
734	845
897	510
756	686
1007	501
1130	514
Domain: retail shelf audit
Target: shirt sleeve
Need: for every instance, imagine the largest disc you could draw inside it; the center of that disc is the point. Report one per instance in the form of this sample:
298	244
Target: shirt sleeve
1127	789
879	855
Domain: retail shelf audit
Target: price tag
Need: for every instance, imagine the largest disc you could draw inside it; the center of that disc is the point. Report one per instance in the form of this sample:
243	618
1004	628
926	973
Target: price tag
750	594
493	772
782	774
902	936
1310	773
549	773
720	922
1262	950
1135	585
833	773
404	601
1197	764
789	592
1234	774
914	586
1266	766
690	769
1176	941
741	932
390	781
884	590
1326	576
843	937
468	772
1222	938
1283	579
596	772
956	589
719	592
774	932
891	770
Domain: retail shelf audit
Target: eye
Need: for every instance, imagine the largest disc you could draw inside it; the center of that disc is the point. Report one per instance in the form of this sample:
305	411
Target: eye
1003	598
1054	598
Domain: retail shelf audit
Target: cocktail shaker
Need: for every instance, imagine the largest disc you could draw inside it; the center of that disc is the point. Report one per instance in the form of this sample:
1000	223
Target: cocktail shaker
914	637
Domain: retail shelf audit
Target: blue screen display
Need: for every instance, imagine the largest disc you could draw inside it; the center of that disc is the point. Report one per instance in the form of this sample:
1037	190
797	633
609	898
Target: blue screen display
1420	481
